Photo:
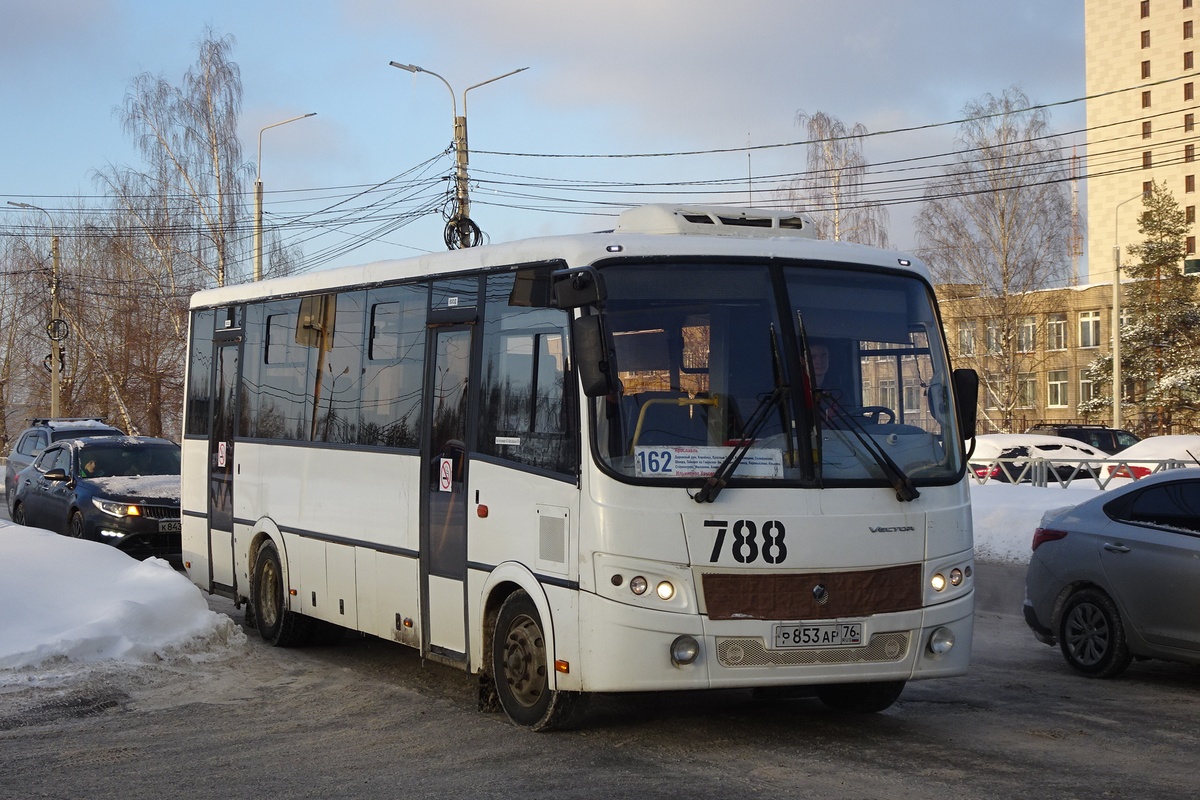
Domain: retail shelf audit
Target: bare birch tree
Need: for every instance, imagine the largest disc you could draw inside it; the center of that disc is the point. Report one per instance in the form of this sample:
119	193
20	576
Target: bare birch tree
996	224
831	189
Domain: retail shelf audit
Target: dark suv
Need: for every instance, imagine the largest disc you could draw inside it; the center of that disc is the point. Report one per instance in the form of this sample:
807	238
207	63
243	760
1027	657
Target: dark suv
40	433
1101	437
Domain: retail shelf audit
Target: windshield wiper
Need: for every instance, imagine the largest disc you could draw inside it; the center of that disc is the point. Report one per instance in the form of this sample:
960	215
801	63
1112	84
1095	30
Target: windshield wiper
906	491
716	482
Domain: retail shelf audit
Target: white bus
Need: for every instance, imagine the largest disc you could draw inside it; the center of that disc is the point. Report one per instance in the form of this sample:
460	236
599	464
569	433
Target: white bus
702	450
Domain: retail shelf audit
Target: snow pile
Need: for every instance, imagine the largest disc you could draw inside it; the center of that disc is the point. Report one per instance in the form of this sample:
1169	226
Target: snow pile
1006	515
70	600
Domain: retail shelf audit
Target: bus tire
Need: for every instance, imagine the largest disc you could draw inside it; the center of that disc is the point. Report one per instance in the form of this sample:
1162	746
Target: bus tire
860	698
521	670
278	626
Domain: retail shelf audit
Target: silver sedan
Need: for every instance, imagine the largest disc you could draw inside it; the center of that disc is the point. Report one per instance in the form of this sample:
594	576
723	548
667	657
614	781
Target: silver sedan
1118	576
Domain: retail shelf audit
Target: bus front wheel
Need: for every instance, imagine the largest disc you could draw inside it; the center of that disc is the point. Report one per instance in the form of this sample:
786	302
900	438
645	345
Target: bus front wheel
521	669
277	625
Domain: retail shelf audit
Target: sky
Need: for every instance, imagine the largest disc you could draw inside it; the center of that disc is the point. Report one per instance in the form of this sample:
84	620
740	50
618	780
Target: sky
70	605
618	78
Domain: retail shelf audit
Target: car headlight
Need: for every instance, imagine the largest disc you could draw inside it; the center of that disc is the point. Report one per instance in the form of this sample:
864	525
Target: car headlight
115	509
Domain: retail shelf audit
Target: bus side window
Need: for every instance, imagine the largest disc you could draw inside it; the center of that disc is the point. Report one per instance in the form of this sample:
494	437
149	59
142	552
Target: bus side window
524	412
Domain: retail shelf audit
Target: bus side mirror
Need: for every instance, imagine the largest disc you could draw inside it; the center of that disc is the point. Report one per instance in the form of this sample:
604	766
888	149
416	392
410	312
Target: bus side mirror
576	288
966	390
593	356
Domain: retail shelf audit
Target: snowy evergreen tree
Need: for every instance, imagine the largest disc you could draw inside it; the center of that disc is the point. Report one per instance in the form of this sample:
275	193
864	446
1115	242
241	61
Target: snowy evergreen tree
1160	362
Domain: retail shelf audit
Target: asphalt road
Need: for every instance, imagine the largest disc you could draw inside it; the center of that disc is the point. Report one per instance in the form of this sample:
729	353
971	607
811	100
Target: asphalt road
369	719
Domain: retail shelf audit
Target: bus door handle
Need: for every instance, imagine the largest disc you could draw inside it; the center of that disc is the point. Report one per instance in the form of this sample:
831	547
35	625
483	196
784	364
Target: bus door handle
1115	548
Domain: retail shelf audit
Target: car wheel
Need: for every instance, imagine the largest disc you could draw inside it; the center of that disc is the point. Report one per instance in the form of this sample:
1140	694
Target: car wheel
18	514
860	698
75	525
278	625
1092	636
521	670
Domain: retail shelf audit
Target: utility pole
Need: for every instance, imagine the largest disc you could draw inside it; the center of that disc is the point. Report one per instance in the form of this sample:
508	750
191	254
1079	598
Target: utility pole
258	195
57	328
461	230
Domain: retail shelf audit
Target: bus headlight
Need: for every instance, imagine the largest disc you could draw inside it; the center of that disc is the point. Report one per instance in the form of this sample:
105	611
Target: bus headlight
941	641
665	590
638	585
684	650
938	582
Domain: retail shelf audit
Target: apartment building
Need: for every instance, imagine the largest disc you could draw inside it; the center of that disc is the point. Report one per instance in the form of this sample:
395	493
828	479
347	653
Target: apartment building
1141	118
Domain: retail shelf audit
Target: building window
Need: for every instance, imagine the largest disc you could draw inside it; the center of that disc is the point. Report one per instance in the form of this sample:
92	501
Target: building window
1026	390
1189	183
1146	99
1086	392
1187	60
887	393
1146	160
1056	389
1146	129
1189	152
1145	8
994	337
1027	335
1191	245
1187	29
913	394
1189	122
1089	328
1145	39
995	387
1056	332
1187	3
1189	215
1145	69
966	338
1188	91
1147	187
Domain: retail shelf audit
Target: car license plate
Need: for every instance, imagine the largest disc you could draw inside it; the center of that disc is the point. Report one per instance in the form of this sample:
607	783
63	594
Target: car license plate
169	526
824	634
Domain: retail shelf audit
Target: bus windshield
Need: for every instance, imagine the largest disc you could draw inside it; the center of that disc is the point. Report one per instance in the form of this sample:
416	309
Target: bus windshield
822	374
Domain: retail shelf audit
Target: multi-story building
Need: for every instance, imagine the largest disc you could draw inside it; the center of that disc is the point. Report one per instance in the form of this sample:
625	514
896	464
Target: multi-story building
1052	343
1141	119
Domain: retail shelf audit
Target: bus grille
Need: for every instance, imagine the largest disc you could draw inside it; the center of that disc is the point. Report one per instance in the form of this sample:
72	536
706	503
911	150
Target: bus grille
752	652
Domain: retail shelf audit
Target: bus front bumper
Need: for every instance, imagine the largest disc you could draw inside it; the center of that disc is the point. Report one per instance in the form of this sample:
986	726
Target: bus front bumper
630	649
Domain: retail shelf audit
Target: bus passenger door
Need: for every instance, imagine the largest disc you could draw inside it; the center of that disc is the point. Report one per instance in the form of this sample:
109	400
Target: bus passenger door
444	502
226	363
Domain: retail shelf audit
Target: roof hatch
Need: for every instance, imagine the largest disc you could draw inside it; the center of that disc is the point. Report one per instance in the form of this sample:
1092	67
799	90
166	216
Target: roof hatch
715	221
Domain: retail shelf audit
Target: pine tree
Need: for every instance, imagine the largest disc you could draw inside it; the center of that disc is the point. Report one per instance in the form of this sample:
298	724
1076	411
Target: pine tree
1159	359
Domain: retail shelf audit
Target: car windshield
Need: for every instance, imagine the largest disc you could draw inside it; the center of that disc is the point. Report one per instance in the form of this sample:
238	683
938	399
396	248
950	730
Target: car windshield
841	380
108	461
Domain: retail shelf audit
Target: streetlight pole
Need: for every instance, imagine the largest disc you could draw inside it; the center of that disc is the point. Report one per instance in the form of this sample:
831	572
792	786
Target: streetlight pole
258	195
461	231
1116	310
56	327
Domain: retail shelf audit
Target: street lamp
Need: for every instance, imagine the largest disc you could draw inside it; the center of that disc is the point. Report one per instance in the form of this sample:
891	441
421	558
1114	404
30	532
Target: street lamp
1116	310
258	195
57	328
461	231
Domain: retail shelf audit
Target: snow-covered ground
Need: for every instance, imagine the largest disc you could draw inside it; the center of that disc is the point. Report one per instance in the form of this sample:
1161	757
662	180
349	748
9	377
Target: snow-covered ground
67	604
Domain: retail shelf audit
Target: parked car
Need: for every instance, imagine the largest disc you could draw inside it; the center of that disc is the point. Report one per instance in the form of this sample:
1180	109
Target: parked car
1152	454
1115	577
1005	457
1100	437
122	490
41	432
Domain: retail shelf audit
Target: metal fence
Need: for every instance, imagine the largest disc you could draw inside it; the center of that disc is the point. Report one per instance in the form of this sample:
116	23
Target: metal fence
1062	472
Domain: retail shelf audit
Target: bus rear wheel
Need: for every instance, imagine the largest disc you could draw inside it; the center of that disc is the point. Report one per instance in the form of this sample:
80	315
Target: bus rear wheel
521	670
860	698
278	626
